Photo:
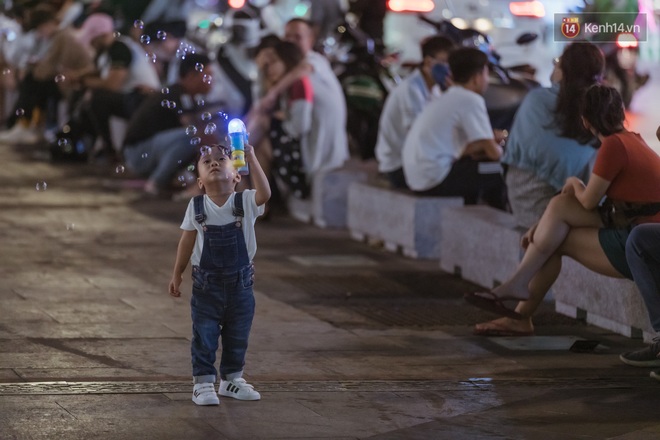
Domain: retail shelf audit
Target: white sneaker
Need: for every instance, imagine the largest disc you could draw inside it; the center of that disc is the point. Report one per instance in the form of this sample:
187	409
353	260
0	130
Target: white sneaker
238	389
17	130
21	135
204	394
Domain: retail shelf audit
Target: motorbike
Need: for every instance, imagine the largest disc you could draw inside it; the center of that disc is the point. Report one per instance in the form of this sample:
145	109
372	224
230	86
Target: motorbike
508	85
366	78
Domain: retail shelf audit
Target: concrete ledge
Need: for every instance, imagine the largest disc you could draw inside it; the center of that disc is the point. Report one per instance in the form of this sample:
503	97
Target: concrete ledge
610	303
327	205
401	220
481	244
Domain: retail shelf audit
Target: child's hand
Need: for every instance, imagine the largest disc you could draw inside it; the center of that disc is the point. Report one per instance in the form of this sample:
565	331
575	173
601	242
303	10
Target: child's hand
249	151
174	286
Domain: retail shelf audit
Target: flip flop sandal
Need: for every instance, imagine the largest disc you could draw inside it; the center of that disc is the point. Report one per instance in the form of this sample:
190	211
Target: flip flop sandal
493	304
494	329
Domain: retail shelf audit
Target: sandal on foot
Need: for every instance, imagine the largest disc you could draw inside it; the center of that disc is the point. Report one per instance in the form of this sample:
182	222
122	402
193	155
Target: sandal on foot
495	329
491	302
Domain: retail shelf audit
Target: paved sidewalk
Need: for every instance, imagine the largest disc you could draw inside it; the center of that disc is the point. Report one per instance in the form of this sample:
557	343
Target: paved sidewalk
349	341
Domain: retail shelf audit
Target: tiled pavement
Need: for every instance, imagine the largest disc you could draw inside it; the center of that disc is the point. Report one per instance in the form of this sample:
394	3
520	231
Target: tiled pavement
349	341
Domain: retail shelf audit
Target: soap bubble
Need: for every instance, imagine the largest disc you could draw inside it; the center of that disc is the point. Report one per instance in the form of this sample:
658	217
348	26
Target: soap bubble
200	102
195	141
204	151
145	39
199	67
161	35
145	155
6	71
207	79
191	130
20	112
138	24
70	226
120	169
210	128
165	90
116	34
191	168
151	57
206	116
181	179
41	186
59	78
62	142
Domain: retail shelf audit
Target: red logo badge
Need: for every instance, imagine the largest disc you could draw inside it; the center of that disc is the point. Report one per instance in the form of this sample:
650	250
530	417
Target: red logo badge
570	27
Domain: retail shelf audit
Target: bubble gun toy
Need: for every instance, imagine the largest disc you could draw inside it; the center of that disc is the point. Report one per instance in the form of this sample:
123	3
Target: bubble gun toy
237	140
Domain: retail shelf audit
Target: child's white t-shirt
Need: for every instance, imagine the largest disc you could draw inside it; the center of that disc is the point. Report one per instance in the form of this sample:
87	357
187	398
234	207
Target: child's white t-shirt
222	215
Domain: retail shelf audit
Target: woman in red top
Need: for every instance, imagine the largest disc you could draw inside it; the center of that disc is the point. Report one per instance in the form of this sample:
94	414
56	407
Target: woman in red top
626	170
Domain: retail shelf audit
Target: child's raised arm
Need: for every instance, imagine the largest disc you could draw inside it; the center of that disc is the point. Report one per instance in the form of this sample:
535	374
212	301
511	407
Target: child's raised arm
183	253
259	179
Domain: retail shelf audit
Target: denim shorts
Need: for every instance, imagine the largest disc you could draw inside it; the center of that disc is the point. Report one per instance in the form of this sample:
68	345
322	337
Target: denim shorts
613	242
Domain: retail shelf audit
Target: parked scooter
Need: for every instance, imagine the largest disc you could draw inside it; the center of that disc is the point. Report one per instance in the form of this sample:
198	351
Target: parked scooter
366	79
508	85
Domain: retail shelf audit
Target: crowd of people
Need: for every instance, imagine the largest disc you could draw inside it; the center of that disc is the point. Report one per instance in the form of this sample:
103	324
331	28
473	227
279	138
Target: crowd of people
567	150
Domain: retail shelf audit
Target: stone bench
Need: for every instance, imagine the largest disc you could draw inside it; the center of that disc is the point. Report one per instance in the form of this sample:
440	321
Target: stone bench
327	205
480	244
401	220
610	303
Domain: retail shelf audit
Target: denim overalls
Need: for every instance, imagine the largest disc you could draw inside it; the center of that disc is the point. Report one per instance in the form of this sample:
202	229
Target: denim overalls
222	304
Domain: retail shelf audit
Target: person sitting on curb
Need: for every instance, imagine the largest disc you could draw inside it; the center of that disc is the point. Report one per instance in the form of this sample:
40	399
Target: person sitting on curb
626	170
452	131
643	256
402	106
158	140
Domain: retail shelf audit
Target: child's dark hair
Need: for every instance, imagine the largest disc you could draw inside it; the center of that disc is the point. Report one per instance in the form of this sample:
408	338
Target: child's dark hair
206	149
431	46
603	108
289	53
466	62
190	62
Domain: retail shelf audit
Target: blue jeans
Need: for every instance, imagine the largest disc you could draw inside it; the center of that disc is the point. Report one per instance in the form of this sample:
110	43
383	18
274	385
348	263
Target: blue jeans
643	255
222	307
160	156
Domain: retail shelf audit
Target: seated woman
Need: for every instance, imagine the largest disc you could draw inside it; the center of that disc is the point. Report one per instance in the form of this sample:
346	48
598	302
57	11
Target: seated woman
291	120
626	170
547	142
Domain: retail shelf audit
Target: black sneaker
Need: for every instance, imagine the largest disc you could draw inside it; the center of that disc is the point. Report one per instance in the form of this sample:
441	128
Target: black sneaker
647	357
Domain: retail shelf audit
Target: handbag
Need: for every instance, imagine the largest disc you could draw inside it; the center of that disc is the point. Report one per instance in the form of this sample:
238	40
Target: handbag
621	215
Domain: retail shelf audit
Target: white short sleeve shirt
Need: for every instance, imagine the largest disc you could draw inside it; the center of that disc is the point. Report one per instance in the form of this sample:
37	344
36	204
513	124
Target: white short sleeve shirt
222	215
440	135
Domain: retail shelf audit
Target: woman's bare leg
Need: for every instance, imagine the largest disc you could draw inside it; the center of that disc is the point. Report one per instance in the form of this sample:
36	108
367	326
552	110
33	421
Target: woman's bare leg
581	244
563	213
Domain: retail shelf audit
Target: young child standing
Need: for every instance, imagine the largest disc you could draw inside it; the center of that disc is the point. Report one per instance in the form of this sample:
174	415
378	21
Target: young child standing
218	238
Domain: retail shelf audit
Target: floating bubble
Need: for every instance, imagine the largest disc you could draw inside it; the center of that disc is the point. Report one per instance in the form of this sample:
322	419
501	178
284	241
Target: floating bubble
199	67
161	35
207	79
179	111
59	78
206	116
6	71
70	226
165	103
116	34
20	112
66	128
145	155
191	130
195	141
120	169
181	179
41	186
145	39
191	168
165	90
210	128
200	102
151	57
138	24
62	142
203	151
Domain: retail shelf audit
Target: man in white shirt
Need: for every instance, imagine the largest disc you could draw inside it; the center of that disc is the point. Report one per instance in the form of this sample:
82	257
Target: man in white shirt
402	106
450	133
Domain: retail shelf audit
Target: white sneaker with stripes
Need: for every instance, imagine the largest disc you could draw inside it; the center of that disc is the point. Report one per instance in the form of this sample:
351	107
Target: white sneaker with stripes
204	394
238	389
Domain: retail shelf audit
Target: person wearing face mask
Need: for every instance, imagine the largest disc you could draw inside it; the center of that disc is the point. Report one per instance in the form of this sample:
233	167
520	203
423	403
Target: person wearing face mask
404	103
547	142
